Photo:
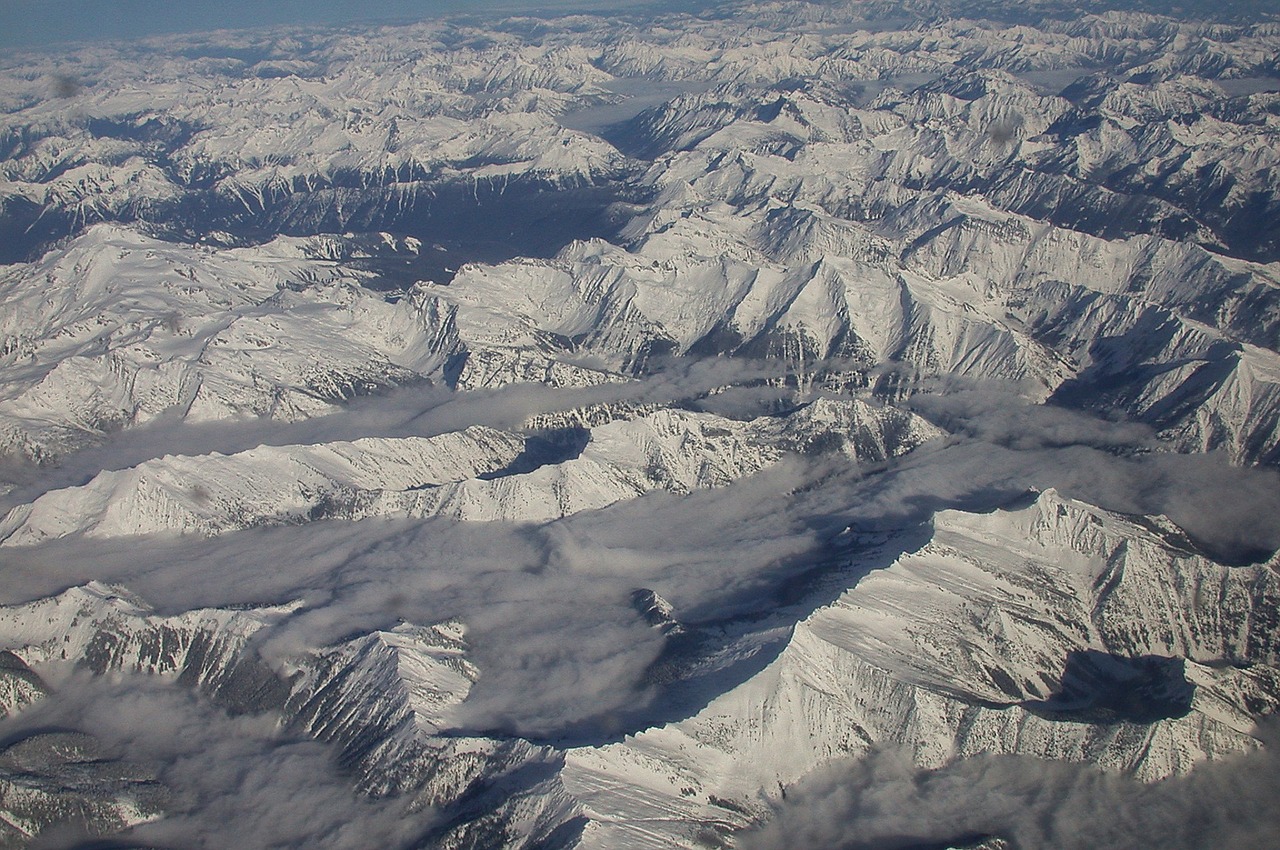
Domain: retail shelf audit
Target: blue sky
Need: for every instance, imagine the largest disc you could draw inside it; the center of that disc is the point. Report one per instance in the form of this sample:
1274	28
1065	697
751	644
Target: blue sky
31	22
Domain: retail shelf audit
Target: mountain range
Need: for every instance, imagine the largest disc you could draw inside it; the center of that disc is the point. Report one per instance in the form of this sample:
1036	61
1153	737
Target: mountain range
643	429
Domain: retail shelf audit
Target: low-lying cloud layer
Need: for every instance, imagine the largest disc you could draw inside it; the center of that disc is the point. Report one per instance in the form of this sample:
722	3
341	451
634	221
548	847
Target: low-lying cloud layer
883	803
560	649
730	387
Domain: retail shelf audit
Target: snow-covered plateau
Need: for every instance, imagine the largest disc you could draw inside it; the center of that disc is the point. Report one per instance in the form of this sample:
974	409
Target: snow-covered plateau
645	429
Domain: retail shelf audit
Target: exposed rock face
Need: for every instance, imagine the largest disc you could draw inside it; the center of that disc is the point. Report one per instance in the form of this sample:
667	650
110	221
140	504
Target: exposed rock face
59	778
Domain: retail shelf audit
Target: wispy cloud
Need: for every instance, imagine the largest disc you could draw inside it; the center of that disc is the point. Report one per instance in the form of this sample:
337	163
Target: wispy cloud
233	781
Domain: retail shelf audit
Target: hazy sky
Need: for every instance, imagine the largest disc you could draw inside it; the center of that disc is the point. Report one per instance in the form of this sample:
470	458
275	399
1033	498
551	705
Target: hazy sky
28	22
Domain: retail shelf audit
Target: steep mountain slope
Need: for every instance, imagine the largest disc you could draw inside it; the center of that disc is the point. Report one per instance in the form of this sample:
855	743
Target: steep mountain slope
1056	630
120	330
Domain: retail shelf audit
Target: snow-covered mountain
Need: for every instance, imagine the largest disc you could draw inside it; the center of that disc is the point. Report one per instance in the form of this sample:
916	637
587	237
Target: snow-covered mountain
1042	631
121	330
553	432
1053	629
475	474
